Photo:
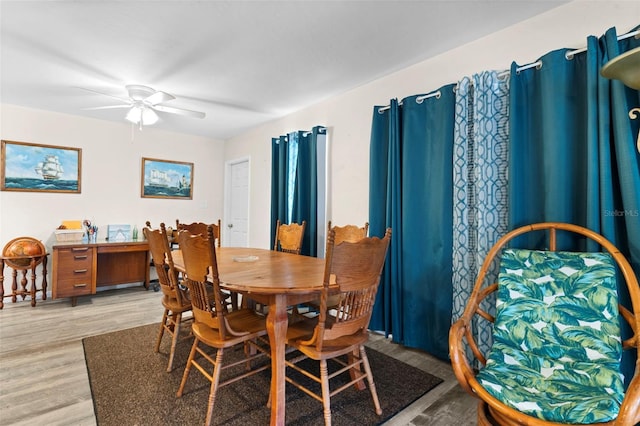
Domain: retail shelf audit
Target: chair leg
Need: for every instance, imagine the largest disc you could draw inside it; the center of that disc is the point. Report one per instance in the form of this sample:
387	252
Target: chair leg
177	318
372	386
326	397
215	379
187	368
162	326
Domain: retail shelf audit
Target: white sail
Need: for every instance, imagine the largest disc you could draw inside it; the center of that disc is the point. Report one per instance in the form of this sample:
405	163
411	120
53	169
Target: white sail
158	178
50	168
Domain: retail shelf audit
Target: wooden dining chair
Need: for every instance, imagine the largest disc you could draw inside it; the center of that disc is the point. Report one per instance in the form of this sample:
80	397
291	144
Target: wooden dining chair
341	333
349	233
175	300
232	298
215	326
289	237
557	340
201	228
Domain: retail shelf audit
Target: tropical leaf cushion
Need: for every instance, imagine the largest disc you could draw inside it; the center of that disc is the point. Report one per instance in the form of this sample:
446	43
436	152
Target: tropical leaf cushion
557	344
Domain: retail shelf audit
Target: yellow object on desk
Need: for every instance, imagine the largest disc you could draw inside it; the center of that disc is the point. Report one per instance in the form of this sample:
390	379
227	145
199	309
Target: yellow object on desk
72	224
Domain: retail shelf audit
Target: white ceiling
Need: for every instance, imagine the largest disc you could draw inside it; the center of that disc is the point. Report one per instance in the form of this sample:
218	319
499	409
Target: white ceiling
241	62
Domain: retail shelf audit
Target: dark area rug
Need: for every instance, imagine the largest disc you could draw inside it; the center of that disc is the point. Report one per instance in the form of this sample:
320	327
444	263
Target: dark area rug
130	386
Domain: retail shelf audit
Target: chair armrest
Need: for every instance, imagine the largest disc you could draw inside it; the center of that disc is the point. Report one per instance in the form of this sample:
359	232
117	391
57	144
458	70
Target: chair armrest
630	410
459	362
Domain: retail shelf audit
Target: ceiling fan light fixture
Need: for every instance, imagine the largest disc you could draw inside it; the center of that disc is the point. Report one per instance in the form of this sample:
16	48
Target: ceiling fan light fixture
142	115
144	102
149	117
134	115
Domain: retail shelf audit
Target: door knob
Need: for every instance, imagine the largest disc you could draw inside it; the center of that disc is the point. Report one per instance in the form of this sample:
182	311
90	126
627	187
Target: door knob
230	225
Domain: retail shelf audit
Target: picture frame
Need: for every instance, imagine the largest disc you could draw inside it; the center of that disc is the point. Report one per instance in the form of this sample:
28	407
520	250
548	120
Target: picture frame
166	179
33	167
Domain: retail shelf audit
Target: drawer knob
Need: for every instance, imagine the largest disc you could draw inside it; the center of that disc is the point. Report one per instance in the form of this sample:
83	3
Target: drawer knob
79	271
80	285
80	257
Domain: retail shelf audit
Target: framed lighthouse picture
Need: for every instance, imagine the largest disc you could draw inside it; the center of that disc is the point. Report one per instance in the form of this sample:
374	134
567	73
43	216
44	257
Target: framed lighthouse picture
40	168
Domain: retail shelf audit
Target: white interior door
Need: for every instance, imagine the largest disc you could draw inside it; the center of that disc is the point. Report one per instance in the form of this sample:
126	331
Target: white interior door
236	231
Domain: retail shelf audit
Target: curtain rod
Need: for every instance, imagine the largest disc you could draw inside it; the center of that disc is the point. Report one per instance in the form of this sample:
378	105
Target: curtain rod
569	55
321	131
419	100
538	64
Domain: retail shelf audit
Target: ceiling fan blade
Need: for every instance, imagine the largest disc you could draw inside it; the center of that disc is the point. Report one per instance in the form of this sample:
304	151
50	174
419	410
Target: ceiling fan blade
180	111
108	107
105	94
158	98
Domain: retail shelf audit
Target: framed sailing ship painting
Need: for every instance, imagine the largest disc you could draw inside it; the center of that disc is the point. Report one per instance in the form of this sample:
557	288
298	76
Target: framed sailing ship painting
40	168
166	179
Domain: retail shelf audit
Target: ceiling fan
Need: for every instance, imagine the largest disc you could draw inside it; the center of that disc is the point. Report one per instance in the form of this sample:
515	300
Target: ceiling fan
143	102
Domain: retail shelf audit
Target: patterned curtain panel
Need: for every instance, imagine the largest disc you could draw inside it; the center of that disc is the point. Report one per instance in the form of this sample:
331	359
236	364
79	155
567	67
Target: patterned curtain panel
480	202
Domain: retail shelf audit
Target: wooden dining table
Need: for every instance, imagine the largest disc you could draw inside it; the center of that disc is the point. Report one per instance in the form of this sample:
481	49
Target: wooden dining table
278	280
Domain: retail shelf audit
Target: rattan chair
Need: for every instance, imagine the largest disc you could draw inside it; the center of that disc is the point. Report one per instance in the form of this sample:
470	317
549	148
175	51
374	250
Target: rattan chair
214	325
557	344
175	300
289	237
339	335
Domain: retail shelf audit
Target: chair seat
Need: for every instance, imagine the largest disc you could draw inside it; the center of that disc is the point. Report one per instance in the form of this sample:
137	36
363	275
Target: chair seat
303	330
554	356
176	306
243	320
554	390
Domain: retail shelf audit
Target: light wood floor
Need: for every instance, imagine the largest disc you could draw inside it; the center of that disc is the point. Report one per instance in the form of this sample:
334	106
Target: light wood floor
43	378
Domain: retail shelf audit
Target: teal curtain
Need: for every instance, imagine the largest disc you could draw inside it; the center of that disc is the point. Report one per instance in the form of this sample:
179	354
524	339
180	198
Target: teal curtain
305	200
572	149
480	185
411	191
279	181
385	212
294	184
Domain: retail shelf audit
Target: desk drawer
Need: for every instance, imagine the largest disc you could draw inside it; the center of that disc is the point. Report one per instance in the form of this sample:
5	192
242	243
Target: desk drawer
73	272
122	247
74	287
74	264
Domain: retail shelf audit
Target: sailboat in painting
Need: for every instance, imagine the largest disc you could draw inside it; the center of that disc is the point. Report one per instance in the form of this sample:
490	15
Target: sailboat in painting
50	168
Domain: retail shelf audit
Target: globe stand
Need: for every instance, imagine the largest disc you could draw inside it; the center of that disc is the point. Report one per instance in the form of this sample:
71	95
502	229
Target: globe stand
23	254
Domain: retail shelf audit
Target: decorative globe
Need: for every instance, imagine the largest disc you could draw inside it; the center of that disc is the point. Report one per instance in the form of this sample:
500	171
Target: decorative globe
23	246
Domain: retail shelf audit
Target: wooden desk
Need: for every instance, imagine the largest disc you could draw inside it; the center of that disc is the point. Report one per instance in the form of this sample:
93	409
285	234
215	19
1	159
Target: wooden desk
276	279
79	268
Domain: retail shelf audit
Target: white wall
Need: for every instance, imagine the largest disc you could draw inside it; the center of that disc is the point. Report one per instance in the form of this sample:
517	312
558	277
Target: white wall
111	168
348	117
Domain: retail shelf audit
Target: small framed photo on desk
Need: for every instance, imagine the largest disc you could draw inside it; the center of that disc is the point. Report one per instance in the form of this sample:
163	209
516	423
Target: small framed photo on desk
118	233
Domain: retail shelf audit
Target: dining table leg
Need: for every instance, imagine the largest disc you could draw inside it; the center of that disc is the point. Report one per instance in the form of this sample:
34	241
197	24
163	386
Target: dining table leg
277	323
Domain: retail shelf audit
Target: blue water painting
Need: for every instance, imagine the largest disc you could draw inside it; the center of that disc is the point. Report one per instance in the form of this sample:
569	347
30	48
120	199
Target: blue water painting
167	179
40	168
40	184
